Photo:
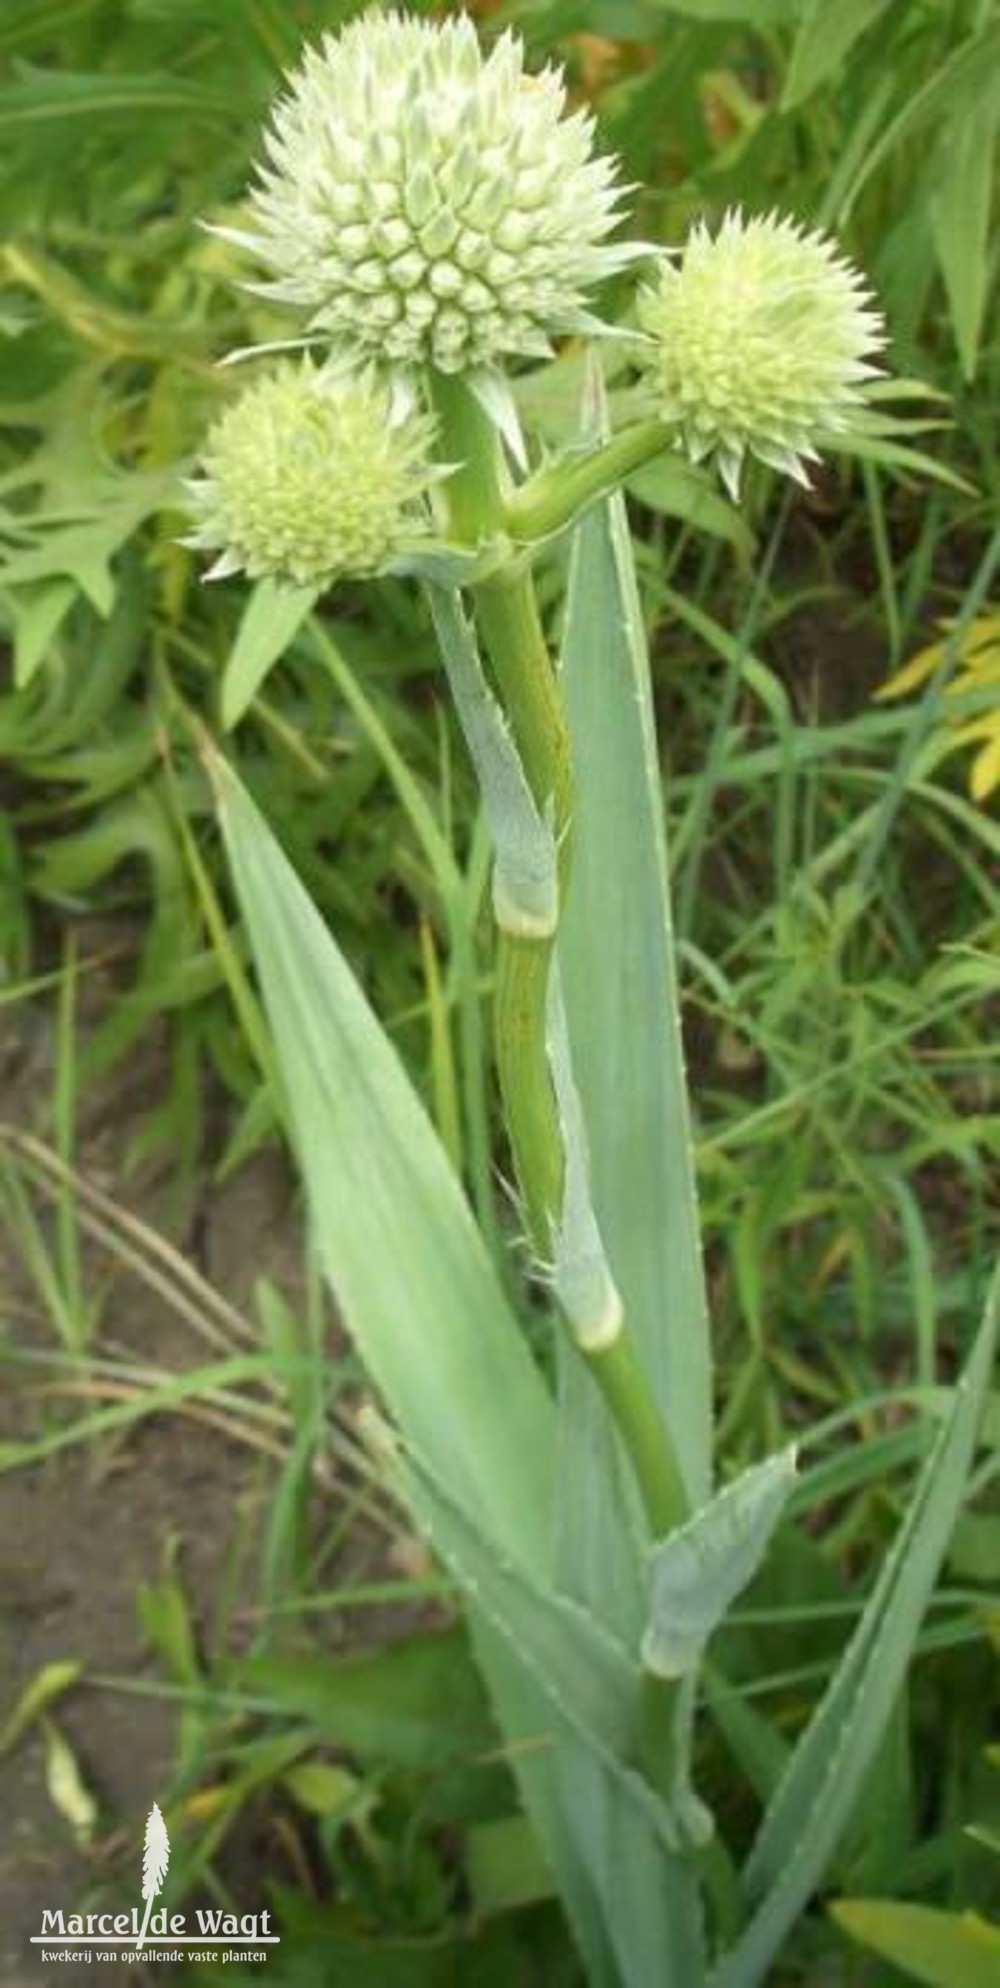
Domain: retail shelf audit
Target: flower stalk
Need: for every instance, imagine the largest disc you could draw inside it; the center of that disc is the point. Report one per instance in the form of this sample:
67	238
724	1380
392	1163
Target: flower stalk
508	619
557	494
507	615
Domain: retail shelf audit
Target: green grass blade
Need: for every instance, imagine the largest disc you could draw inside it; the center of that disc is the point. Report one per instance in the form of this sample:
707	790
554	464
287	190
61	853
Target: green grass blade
817	1795
48	98
823	42
953	87
961	210
620	987
943	1949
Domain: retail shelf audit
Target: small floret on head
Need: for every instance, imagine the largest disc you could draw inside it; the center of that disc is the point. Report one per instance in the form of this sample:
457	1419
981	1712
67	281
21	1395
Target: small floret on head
309	479
759	341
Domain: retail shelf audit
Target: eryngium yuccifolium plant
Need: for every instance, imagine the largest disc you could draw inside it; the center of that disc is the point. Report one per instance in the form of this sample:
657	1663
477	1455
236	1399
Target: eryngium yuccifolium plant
311	479
760	342
425	202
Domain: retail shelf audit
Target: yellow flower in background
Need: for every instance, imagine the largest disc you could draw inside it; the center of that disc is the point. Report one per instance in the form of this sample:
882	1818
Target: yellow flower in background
975	682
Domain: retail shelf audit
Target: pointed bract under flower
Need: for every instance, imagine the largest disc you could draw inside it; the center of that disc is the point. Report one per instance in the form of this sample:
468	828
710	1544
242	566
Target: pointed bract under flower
760	339
309	478
425	202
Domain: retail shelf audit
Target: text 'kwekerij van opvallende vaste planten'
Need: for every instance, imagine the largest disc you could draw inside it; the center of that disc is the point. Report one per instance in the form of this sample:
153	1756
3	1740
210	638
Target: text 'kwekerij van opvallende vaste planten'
433	216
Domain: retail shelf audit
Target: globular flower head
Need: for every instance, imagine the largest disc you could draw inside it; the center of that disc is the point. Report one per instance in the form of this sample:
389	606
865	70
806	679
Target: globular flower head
427	203
310	479
759	341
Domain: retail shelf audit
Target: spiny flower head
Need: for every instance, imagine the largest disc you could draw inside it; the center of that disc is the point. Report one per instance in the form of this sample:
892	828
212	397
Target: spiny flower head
310	479
427	203
760	341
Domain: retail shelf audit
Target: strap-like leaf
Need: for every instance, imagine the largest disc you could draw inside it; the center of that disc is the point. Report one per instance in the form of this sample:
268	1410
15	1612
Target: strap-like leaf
396	1239
590	1681
620	988
617	977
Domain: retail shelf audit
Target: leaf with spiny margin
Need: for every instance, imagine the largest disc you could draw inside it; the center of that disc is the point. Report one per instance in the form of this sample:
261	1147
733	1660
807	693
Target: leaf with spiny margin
619	980
590	1680
418	1292
646	1914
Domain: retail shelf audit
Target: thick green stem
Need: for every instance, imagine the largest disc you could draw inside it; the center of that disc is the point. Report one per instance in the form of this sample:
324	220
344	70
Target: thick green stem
623	1384
508	619
475	490
520	998
507	615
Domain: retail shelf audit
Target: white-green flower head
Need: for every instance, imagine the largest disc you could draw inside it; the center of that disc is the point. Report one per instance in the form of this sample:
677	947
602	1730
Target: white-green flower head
310	479
759	342
428	203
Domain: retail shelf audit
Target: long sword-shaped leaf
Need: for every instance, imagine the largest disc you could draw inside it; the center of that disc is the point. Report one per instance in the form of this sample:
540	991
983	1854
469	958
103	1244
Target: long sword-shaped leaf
397	1241
624	1055
814	1801
591	1682
524	1716
633	1897
420	1296
620	989
647	1895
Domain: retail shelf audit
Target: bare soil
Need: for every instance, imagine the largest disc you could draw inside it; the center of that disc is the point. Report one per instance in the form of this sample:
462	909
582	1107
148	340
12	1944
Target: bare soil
81	1530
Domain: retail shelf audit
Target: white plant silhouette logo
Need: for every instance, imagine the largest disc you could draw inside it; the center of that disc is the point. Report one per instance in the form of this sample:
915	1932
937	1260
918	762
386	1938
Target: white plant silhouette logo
155	1858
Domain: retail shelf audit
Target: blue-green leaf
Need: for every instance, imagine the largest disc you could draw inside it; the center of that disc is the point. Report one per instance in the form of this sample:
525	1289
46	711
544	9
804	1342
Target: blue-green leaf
620	987
410	1271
